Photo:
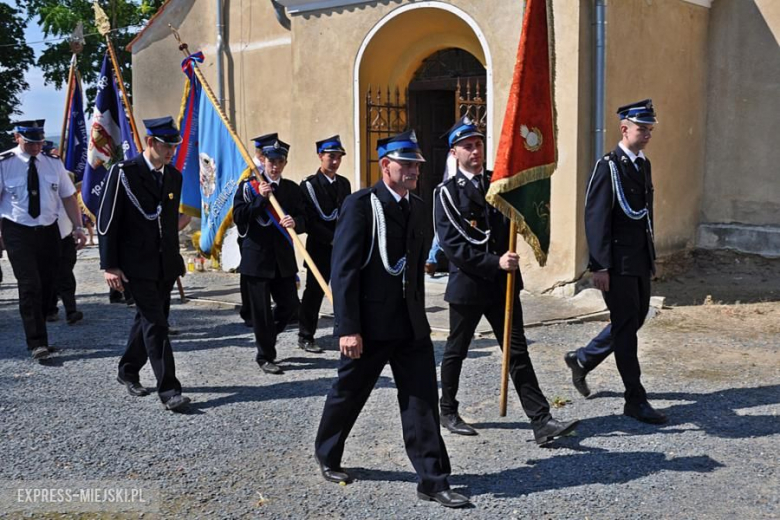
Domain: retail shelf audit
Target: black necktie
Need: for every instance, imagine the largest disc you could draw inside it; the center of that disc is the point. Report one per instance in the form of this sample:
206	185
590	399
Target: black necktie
640	164
478	184
405	209
33	189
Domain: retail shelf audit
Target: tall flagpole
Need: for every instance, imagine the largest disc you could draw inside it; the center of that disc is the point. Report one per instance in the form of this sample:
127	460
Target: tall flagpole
104	28
245	154
508	309
66	118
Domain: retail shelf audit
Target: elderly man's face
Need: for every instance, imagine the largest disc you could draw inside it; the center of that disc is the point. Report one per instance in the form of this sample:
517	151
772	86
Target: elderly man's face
401	176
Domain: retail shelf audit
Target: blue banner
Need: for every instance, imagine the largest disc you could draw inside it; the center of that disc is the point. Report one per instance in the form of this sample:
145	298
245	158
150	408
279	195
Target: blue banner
110	138
211	164
76	136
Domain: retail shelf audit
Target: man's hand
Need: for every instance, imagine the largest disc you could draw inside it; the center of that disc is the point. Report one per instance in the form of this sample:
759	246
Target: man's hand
601	280
81	238
287	222
351	346
114	278
265	189
509	261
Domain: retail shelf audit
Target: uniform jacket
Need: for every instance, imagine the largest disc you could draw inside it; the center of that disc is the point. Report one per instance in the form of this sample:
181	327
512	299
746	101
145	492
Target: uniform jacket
368	300
475	275
265	249
320	232
616	242
128	240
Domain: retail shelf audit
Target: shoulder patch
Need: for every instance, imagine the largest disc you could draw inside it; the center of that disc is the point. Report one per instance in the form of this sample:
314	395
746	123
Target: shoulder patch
51	154
6	155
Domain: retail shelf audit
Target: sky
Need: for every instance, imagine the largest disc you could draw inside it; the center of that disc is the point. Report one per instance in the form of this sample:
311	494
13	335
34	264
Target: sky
40	101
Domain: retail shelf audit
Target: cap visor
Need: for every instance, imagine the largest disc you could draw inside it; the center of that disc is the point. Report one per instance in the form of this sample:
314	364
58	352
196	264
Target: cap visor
169	139
406	156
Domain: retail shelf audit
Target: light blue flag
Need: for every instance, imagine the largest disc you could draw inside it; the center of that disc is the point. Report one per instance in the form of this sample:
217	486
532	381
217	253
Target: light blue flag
221	167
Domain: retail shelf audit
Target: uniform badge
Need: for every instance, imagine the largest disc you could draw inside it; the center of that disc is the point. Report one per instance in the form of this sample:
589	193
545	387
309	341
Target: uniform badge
413	137
467	121
276	145
170	196
461	182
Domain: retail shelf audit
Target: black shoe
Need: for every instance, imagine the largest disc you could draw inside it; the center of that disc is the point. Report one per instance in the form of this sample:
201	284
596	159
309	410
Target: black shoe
336	475
552	429
271	368
447	498
455	424
53	316
115	296
40	353
133	388
309	346
645	413
176	402
577	373
74	316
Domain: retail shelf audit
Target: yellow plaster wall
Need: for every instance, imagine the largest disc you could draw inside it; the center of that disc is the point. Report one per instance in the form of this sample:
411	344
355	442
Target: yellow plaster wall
658	49
743	128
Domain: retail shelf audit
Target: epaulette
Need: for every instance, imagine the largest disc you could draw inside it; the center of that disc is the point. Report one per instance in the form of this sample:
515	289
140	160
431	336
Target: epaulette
362	193
6	155
310	178
50	153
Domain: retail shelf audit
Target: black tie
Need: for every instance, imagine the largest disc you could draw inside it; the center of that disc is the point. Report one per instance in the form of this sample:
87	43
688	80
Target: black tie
33	189
640	164
478	183
405	208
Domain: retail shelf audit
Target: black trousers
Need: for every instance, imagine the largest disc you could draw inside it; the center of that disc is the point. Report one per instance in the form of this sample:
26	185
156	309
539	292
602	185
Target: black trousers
463	322
269	323
65	285
414	371
246	309
628	301
312	295
149	337
34	253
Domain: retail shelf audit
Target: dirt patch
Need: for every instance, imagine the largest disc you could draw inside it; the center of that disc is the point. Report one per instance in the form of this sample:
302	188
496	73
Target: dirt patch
699	276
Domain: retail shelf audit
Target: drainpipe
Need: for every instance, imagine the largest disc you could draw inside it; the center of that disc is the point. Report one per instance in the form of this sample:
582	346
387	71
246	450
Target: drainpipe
220	48
599	72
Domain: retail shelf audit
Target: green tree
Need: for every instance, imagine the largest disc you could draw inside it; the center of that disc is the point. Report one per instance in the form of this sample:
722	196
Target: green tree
58	19
15	58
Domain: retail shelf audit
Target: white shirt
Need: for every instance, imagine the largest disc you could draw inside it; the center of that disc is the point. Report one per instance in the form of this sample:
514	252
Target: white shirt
54	182
396	196
631	154
161	170
471	176
269	181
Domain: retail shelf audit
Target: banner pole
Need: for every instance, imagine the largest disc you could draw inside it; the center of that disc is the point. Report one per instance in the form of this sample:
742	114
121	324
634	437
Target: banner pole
248	159
510	305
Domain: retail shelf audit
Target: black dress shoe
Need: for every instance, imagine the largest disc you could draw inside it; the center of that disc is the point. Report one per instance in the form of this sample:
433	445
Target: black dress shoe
645	413
74	317
271	368
447	498
177	402
552	429
455	424
40	353
309	345
577	373
336	475
133	388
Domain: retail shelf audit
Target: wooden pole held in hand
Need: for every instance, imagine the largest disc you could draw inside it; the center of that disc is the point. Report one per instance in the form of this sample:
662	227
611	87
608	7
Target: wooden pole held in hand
508	309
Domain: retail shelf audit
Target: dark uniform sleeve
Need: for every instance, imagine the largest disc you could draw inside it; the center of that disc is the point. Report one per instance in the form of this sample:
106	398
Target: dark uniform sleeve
314	225
297	209
111	209
598	217
467	257
247	205
346	261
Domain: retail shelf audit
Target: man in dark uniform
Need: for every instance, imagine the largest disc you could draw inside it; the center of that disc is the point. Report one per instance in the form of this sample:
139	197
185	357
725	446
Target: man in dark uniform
475	238
324	193
259	161
32	184
267	252
619	229
139	248
379	303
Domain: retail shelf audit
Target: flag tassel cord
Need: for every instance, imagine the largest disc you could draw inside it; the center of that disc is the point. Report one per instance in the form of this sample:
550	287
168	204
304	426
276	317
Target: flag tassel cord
183	47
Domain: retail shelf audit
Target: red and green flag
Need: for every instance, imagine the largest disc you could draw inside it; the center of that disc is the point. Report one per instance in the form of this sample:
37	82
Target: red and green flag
527	152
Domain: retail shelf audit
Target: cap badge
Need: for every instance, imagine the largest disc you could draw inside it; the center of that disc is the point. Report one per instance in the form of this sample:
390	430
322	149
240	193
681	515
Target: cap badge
276	145
413	137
